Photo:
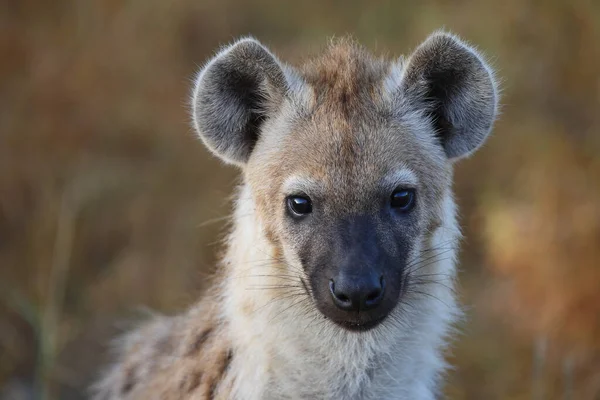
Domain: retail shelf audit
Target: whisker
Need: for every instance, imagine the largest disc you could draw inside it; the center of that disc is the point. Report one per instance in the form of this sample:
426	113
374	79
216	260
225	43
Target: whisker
285	309
417	262
265	287
431	296
277	298
426	282
426	265
289	277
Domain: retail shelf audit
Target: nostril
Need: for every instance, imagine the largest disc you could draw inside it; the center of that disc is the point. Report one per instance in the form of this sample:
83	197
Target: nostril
357	293
373	295
340	298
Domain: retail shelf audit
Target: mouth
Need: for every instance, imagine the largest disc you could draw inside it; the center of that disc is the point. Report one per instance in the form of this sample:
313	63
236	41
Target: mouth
360	326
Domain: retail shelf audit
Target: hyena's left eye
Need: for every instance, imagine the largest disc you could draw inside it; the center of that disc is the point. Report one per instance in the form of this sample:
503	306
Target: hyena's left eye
299	205
403	199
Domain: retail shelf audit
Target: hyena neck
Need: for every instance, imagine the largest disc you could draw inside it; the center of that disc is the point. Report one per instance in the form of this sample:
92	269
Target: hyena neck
284	346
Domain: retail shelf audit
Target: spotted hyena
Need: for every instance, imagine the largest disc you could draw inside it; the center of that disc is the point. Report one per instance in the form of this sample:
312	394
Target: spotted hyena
338	278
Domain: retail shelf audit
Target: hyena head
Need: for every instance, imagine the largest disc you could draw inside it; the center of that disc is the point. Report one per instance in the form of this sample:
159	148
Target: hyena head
348	158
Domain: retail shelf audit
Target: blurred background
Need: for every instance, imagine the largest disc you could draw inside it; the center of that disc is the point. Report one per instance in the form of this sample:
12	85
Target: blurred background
109	204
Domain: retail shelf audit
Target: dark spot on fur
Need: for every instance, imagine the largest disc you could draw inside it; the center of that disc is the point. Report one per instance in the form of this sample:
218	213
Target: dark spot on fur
129	382
227	361
199	341
271	237
219	376
212	390
191	382
434	225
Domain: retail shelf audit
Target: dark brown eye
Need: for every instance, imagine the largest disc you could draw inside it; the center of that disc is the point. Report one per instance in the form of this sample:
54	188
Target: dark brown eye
403	199
299	205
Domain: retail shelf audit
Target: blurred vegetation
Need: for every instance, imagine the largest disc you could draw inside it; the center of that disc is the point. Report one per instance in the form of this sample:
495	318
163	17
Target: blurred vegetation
108	203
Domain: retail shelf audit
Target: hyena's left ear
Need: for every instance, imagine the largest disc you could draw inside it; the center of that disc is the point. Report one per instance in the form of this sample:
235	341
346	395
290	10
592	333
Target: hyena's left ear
453	84
234	94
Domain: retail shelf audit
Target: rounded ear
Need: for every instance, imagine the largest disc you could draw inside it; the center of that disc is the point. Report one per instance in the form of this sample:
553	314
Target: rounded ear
455	87
233	95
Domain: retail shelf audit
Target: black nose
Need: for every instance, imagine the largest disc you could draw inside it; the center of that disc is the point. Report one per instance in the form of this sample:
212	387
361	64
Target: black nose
357	293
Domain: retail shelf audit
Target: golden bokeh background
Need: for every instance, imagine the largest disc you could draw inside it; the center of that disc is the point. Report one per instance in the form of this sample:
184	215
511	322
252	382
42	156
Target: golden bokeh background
108	203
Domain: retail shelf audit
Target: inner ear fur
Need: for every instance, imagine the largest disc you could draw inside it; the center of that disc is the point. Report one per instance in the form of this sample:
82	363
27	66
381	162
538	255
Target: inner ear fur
451	82
234	94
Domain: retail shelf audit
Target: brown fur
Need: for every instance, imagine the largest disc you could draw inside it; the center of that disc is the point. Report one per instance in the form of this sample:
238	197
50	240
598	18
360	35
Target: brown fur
343	77
175	358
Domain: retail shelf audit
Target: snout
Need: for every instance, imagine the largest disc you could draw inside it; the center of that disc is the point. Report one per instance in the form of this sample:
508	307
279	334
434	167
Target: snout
356	277
357	293
357	300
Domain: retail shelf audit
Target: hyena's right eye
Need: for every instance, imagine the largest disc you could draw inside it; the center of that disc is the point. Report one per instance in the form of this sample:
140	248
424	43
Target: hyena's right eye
299	205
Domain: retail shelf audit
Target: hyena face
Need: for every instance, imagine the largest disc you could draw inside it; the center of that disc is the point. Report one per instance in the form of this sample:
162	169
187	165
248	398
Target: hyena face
348	158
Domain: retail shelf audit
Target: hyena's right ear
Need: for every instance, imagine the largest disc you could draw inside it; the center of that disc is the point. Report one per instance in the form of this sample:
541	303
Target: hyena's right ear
234	94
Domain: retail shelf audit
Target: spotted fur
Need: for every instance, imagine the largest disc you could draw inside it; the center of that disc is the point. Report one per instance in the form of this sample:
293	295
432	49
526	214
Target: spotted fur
342	127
